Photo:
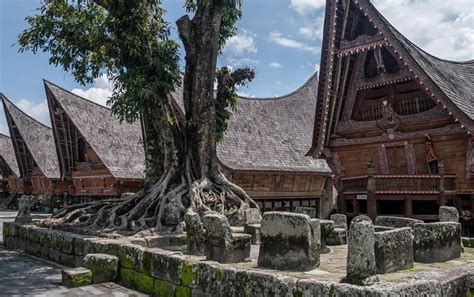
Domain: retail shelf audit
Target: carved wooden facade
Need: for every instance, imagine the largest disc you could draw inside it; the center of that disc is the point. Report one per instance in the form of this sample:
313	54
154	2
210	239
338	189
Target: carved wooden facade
34	151
381	102
86	134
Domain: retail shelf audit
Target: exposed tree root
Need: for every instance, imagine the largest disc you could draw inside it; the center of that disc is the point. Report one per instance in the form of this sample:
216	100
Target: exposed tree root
160	209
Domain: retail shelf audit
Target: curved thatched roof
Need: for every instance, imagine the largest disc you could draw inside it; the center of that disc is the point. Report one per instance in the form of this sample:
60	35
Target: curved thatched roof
8	154
118	144
273	133
37	138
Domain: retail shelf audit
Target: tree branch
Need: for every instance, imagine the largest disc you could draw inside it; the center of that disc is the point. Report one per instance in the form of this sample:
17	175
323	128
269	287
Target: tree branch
184	29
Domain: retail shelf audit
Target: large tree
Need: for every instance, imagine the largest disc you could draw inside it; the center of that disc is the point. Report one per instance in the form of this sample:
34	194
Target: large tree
130	41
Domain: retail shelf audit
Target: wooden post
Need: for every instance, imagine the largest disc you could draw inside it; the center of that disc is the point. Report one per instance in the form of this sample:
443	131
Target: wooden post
408	207
371	201
442	195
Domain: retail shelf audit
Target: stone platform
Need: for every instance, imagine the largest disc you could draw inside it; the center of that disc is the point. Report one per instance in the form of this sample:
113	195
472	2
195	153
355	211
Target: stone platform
156	270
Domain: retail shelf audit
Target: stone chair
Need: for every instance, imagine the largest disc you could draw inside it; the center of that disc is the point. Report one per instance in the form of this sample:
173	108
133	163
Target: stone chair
290	241
396	222
221	244
394	250
339	235
195	234
448	214
437	242
253	219
310	211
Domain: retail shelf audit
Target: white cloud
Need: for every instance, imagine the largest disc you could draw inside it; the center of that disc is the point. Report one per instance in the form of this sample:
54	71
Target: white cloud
241	62
279	39
241	44
99	93
245	94
307	6
313	31
37	110
442	28
276	65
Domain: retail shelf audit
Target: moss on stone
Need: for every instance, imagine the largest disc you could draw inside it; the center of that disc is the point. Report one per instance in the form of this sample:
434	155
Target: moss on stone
163	289
138	281
178	240
298	294
182	291
218	275
188	275
76	277
470	293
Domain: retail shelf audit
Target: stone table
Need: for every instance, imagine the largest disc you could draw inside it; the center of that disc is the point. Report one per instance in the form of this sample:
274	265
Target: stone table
327	226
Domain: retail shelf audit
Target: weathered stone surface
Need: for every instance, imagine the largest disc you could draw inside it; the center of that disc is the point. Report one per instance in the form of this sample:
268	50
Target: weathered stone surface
396	222
269	285
310	211
252	216
76	277
327	226
361	267
340	220
24	214
448	214
196	235
437	242
290	241
394	250
468	242
221	245
254	231
104	267
312	287
382	228
338	236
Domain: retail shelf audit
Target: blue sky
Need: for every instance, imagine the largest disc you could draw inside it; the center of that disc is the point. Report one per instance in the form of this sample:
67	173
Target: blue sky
280	39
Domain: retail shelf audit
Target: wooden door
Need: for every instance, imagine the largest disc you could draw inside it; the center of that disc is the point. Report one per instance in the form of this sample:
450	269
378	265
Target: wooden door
397	160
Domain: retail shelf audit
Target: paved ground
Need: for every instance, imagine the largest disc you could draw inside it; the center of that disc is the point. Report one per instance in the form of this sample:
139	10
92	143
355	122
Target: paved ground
23	275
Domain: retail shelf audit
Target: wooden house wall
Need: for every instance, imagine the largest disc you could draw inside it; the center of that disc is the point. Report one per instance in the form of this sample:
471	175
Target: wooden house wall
449	148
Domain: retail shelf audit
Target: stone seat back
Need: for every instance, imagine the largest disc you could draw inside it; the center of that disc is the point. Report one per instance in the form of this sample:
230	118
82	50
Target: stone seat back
394	250
340	220
396	222
310	211
195	234
253	218
221	244
437	242
289	241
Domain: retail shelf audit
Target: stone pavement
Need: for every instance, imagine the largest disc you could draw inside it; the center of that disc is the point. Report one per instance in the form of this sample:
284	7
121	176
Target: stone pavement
23	275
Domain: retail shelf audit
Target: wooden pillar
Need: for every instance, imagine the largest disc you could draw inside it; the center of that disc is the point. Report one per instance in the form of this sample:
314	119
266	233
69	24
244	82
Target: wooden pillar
371	201
442	195
408	207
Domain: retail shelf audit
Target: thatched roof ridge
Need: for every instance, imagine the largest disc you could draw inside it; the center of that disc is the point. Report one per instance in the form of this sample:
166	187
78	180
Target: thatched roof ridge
38	139
273	134
8	154
118	144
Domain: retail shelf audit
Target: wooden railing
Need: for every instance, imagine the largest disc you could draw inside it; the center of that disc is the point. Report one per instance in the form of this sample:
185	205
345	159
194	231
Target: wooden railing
372	188
399	184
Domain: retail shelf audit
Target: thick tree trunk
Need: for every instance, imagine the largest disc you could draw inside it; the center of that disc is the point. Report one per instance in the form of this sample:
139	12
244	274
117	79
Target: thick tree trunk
183	156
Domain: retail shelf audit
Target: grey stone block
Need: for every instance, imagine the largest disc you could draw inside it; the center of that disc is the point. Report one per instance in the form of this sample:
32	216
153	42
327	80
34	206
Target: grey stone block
221	244
252	216
254	231
289	241
196	237
340	220
361	267
437	242
104	267
448	214
394	250
76	277
327	226
338	236
396	222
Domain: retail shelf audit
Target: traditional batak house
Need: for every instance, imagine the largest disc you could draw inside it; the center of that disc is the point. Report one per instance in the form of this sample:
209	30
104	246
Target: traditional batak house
264	148
8	167
99	155
33	144
394	122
